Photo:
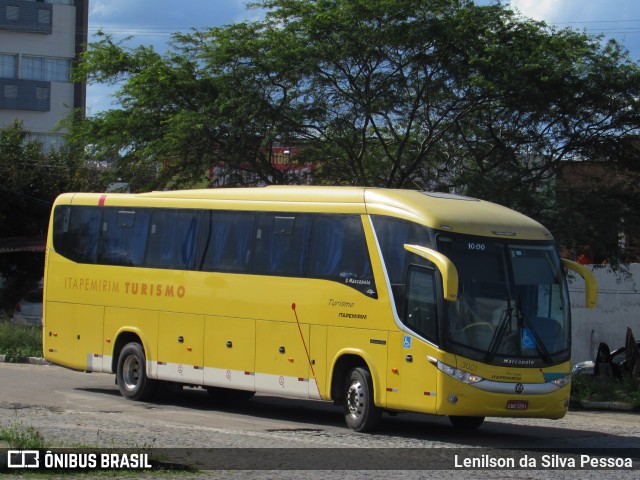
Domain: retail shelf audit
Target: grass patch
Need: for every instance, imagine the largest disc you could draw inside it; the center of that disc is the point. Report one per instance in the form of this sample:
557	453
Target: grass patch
18	436
598	389
21	437
19	340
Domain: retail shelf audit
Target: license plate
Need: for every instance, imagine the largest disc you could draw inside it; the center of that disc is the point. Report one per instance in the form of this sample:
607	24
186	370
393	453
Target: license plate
517	404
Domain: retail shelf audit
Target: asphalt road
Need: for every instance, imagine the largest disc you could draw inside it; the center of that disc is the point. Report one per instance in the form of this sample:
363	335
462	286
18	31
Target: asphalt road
77	409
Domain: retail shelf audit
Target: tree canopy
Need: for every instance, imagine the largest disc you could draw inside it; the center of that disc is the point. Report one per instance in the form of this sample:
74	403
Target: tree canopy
432	94
33	178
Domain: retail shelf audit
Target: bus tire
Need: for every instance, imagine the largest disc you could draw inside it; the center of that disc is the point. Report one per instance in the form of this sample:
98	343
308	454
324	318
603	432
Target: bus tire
360	411
131	375
465	423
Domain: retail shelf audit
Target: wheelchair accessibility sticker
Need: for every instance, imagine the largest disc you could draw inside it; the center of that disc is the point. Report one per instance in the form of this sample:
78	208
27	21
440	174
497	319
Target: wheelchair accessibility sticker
528	340
407	341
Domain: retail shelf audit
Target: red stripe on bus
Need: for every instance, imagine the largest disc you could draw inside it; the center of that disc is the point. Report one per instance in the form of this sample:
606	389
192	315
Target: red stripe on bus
103	198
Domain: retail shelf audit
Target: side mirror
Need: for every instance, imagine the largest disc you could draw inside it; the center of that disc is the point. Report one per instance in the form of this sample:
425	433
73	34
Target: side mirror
591	285
445	266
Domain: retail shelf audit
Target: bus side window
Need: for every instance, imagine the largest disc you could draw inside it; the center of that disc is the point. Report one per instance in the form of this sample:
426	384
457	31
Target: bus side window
172	239
339	252
392	235
229	248
76	231
124	236
421	304
282	244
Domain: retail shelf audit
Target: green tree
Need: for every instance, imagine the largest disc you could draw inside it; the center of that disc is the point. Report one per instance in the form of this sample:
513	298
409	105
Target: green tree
32	179
431	94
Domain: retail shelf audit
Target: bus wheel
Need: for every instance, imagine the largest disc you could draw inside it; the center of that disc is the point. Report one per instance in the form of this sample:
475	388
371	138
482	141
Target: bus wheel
131	375
360	412
466	423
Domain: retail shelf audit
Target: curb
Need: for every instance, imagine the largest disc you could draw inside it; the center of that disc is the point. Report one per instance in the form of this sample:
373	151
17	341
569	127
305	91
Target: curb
29	360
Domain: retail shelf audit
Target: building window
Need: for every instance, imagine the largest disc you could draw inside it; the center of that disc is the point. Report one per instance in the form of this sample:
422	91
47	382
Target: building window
8	65
49	141
47	69
10	91
13	13
42	93
44	17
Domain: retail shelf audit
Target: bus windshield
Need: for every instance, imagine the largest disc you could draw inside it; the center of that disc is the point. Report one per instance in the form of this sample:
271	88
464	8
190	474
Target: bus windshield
512	306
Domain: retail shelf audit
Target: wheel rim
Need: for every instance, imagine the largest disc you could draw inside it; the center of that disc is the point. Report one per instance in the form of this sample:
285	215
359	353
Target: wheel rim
355	399
131	372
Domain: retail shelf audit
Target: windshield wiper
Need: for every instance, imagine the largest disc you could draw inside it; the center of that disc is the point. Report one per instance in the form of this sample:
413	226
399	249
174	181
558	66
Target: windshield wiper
540	346
505	320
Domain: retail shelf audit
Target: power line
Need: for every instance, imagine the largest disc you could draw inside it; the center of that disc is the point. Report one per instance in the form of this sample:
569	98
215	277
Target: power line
35	200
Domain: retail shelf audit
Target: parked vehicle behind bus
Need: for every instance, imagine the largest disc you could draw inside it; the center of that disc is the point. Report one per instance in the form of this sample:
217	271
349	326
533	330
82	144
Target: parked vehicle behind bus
375	299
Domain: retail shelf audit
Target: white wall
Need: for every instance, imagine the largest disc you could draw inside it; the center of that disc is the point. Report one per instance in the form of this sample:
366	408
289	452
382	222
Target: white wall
618	308
60	43
44	122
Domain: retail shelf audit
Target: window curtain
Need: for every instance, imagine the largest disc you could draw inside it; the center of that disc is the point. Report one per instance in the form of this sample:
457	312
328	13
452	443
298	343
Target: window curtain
47	69
244	233
328	246
219	236
7	66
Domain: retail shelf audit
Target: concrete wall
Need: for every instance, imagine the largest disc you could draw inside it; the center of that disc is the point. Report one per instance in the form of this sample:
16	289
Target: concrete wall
42	122
59	44
618	308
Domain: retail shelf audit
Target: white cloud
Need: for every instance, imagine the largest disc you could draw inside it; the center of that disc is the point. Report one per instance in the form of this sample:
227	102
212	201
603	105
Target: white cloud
538	9
106	10
568	11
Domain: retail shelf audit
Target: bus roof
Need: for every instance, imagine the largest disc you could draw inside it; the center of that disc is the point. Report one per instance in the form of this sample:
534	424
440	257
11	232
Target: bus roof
437	210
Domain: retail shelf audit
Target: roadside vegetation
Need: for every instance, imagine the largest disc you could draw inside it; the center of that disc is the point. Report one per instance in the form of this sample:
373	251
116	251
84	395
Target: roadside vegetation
17	435
23	437
18	341
586	388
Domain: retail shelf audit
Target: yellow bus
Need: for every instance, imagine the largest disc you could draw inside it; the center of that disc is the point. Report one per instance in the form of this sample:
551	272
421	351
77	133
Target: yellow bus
378	300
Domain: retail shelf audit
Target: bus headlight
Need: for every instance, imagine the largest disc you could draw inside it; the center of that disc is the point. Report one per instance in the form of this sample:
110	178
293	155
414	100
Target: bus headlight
456	373
562	381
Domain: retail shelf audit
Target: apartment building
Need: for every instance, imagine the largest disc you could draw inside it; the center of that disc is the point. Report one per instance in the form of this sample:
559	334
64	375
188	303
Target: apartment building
39	43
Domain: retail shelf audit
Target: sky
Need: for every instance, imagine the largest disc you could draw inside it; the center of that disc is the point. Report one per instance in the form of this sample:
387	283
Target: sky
151	22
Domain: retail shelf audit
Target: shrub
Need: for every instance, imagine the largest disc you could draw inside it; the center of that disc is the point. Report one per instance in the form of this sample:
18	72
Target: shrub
19	340
21	437
588	388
